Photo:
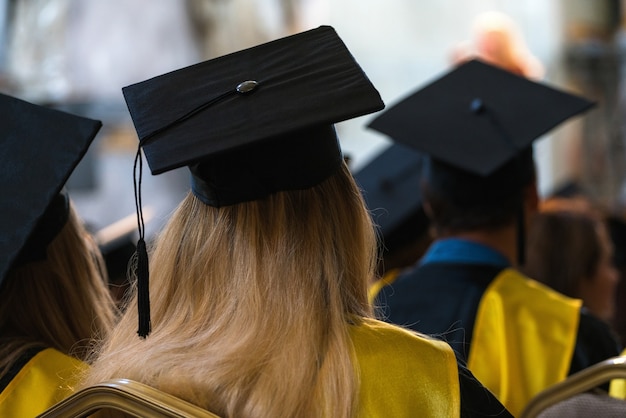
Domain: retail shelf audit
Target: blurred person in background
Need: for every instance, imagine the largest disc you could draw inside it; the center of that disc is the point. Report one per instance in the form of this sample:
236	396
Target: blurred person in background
497	40
479	191
569	249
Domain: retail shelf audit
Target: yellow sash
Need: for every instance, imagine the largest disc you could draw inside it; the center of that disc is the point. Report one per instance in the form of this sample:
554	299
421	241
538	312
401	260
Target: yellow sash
523	338
404	374
45	380
386	280
617	388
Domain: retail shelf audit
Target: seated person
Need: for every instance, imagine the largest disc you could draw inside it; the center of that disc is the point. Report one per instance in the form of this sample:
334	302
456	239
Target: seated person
479	189
53	296
258	283
569	250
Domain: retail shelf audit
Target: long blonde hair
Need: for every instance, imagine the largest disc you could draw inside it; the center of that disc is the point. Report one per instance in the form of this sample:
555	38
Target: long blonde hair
62	302
251	305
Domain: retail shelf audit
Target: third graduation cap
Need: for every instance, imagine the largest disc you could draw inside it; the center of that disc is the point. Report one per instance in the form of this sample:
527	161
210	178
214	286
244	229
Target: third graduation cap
390	184
477	117
259	120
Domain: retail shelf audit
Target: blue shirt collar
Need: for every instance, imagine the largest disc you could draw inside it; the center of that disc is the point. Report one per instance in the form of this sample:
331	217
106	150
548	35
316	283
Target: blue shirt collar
463	251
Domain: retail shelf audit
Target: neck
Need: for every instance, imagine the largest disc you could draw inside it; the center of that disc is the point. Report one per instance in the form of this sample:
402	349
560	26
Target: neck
503	240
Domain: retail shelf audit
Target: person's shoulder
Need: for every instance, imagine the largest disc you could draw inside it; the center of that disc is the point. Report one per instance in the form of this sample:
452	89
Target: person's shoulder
54	355
376	336
374	328
598	334
437	271
56	363
595	342
419	374
47	378
517	281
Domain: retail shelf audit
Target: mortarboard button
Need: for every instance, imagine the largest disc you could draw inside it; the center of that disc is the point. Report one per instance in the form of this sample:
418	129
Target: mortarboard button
477	106
247	86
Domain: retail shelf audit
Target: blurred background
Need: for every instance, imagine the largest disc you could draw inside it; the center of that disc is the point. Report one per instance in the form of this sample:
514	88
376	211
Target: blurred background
76	55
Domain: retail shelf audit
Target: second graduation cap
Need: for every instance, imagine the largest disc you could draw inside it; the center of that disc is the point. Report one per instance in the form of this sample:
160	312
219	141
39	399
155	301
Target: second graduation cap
40	149
477	117
259	120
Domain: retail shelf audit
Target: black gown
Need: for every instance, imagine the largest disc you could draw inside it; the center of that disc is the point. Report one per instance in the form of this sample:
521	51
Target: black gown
442	299
476	400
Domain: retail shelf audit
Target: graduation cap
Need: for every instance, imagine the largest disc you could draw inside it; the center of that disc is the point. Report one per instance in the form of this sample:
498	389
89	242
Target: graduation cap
477	124
270	107
390	185
477	117
40	149
251	123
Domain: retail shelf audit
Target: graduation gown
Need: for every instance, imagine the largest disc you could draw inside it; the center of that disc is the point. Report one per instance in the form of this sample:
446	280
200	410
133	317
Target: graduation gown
444	298
44	379
407	375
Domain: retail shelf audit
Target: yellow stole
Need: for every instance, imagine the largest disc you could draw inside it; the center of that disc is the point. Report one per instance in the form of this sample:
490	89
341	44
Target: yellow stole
44	381
404	374
523	338
617	387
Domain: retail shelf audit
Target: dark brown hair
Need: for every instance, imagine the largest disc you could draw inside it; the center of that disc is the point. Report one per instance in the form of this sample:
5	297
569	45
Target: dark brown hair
464	201
563	248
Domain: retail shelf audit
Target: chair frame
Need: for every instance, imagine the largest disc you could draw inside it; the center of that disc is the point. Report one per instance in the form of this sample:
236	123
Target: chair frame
582	381
134	398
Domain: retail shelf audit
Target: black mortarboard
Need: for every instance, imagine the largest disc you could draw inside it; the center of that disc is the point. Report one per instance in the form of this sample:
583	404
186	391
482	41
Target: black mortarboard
251	123
477	117
262	116
40	149
390	184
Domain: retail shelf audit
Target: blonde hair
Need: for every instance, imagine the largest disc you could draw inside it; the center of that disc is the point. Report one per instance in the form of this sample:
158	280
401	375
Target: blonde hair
62	302
251	305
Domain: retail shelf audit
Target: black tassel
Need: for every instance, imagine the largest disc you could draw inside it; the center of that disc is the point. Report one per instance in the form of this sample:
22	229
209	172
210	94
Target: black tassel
143	289
142	270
